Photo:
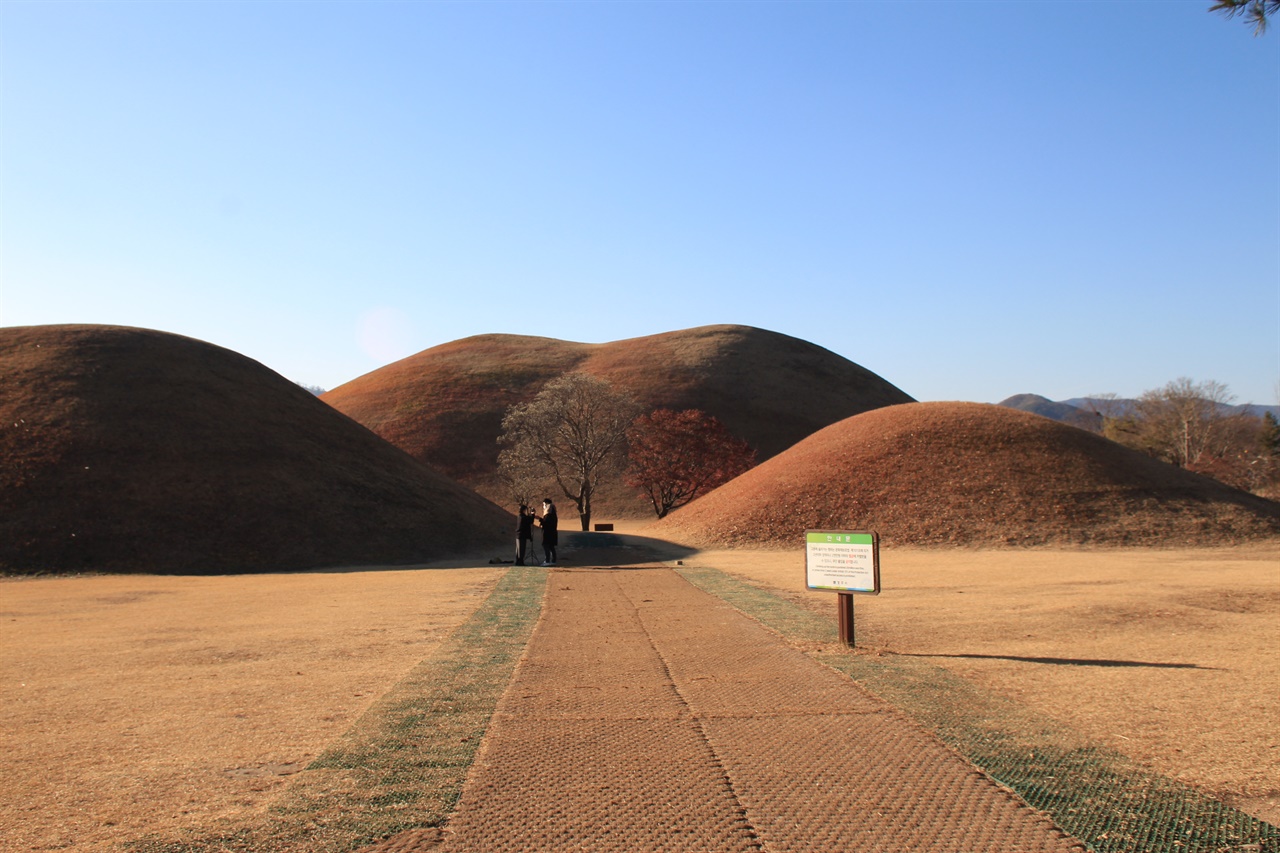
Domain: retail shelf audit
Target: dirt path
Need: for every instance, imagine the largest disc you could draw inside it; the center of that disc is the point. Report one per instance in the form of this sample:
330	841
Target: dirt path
648	715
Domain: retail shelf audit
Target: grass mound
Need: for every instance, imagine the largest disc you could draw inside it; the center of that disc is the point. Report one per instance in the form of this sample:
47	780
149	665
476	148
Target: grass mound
975	475
445	405
129	450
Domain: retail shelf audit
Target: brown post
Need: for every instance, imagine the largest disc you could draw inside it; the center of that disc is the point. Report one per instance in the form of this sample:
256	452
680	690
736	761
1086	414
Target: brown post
844	610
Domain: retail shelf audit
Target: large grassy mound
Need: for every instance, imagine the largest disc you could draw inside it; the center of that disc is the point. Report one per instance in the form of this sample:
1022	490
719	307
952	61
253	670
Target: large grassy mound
970	474
445	405
132	450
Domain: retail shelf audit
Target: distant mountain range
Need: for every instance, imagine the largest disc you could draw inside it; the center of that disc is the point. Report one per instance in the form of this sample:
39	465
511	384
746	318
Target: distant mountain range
1080	410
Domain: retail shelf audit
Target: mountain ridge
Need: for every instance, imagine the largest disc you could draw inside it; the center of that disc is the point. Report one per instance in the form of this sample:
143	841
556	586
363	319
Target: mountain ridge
1076	409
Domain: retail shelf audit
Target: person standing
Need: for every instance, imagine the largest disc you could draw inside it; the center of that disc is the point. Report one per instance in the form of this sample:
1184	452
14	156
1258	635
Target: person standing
550	531
524	532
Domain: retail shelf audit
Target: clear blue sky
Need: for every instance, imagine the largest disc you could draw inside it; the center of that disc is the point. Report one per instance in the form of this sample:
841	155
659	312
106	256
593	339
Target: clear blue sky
971	199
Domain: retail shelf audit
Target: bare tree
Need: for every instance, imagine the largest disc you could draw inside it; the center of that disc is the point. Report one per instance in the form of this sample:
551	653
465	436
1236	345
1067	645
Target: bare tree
523	474
575	429
1194	426
1185	422
1111	416
1246	454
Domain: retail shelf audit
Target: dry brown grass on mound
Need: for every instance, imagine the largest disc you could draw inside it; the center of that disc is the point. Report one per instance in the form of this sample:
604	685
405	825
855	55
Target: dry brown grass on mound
445	405
133	450
970	474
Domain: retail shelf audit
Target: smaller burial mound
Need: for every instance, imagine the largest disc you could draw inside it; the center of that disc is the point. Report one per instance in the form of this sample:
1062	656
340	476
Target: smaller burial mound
969	474
130	450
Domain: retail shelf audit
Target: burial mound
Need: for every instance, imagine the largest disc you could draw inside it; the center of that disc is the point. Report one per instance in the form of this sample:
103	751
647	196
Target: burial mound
969	474
130	450
445	405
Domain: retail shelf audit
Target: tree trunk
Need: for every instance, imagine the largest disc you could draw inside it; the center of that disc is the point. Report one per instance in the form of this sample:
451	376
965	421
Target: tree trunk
584	503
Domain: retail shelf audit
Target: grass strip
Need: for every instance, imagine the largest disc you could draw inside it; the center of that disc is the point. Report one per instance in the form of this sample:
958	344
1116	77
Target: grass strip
402	764
1095	794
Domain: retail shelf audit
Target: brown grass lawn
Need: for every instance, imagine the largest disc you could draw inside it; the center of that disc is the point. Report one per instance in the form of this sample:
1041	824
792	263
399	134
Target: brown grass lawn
1169	657
137	704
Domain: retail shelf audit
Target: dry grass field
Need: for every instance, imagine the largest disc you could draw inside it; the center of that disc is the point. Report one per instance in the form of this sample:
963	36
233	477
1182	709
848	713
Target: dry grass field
138	704
1171	658
135	705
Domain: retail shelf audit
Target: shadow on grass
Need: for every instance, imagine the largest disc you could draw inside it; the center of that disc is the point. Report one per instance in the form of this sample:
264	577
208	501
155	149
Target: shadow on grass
615	550
1065	661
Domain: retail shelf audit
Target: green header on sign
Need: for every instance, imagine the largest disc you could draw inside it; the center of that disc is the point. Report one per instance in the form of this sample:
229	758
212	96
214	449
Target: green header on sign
820	538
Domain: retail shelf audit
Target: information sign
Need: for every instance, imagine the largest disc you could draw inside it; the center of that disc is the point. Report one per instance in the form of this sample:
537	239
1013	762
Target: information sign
842	561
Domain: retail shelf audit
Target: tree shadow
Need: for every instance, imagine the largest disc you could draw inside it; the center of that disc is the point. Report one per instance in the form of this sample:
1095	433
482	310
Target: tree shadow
1067	661
579	549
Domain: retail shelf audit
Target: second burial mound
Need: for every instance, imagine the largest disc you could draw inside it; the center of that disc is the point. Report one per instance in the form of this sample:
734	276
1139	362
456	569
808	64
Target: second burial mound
129	450
445	405
969	474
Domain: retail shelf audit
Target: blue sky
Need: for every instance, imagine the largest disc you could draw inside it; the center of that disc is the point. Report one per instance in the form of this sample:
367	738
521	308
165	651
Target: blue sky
971	199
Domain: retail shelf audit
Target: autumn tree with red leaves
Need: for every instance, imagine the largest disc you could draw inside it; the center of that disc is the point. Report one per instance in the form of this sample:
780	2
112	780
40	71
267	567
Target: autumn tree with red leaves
677	456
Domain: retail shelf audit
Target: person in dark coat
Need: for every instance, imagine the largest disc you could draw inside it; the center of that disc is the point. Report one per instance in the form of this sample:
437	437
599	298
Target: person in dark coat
550	534
524	532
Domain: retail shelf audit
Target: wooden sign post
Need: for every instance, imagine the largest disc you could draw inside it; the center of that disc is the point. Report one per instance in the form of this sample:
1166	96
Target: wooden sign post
845	562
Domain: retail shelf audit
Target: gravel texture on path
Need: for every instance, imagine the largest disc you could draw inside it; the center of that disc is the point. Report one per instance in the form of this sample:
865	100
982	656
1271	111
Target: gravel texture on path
649	715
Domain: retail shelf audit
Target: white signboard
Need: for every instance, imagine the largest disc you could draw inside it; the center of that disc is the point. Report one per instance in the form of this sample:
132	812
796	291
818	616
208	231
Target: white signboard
842	561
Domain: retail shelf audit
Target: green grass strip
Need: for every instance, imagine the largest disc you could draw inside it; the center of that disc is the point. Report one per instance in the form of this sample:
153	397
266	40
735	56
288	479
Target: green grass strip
1095	794
402	764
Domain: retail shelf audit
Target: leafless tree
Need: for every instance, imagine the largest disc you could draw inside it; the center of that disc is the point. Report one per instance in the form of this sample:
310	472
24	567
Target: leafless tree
1109	415
574	430
523	474
1185	422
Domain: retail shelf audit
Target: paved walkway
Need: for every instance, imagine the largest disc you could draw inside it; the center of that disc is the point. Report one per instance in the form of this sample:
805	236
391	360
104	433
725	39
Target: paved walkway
650	716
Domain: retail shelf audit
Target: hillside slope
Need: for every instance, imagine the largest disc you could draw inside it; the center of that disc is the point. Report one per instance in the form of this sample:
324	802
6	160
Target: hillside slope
969	474
133	450
445	405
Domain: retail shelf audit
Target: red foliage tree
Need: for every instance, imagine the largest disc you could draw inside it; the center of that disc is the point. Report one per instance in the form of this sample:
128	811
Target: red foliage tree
677	456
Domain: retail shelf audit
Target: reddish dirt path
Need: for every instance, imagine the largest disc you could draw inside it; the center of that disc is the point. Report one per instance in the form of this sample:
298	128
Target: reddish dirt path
648	715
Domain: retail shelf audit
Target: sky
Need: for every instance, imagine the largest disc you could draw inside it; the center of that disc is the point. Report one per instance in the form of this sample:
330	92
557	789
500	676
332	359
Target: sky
971	199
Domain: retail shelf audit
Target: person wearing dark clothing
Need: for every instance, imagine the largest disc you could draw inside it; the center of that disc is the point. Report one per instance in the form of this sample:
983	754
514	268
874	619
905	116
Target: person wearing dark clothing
550	535
524	532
